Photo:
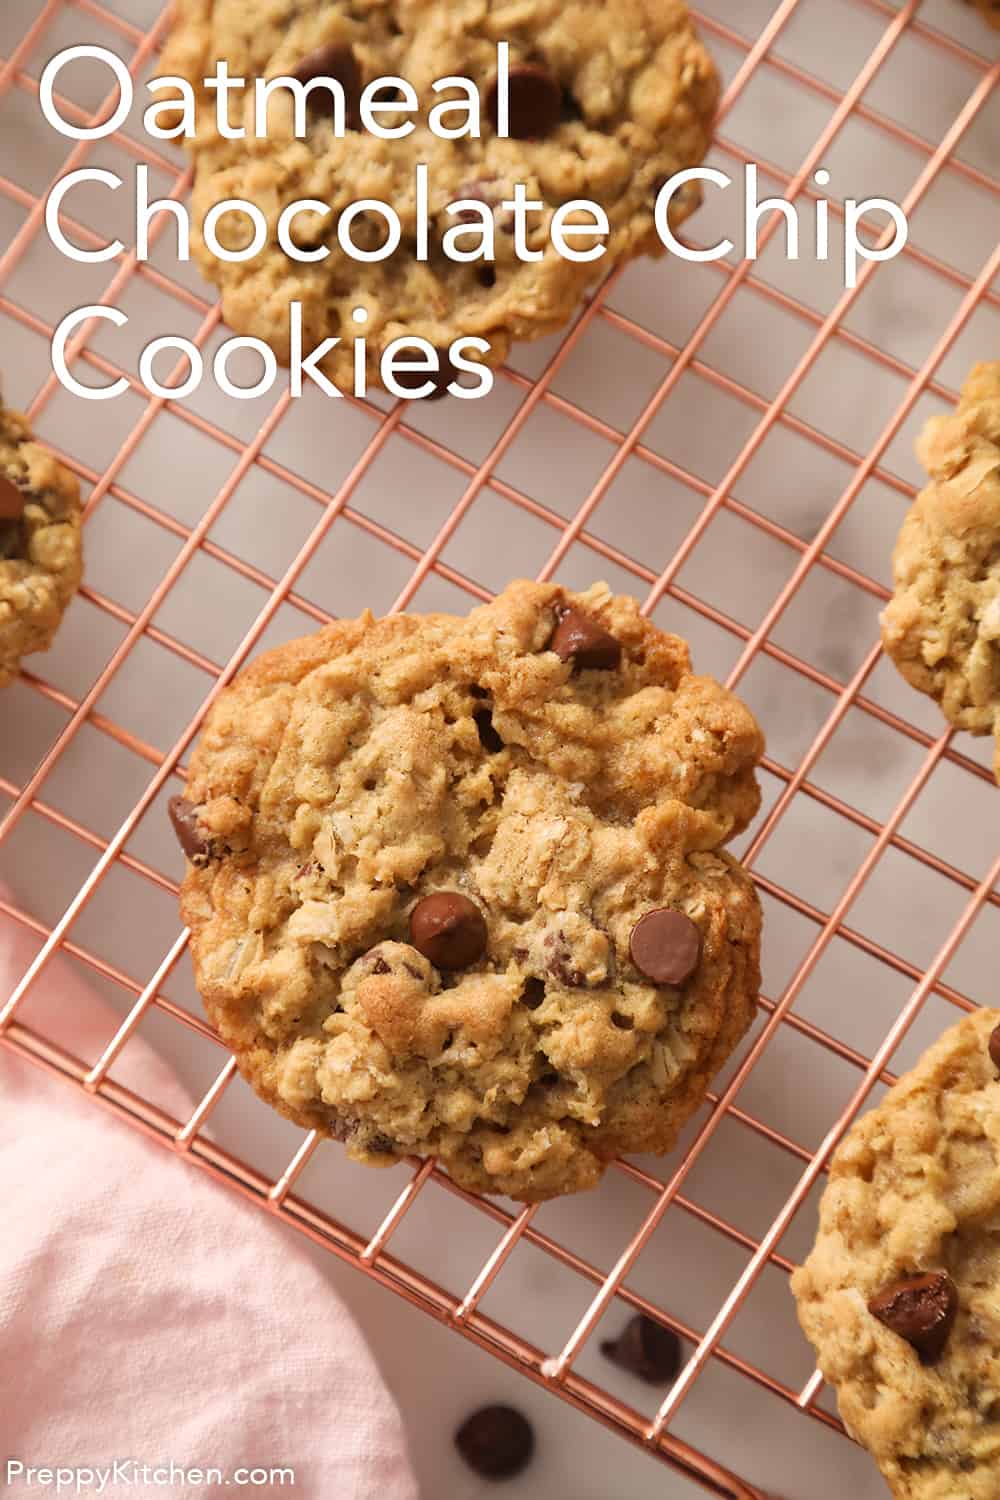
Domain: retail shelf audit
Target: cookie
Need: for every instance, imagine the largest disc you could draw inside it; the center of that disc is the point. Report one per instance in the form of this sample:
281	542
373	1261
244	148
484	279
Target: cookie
900	1294
989	8
942	627
456	886
41	550
609	98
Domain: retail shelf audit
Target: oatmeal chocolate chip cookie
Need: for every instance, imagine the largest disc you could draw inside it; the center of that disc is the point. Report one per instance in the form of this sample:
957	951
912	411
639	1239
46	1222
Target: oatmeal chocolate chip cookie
40	543
989	8
900	1294
455	885
942	628
608	99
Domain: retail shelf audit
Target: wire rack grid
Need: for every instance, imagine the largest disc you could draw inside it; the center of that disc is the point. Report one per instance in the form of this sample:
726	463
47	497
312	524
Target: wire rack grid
767	403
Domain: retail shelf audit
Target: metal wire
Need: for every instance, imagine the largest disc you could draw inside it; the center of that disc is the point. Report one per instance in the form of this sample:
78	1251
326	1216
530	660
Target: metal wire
279	1195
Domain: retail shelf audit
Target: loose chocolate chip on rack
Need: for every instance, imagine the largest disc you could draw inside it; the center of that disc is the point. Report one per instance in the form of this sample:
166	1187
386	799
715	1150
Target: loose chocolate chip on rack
647	1349
921	1310
666	946
535	102
995	1047
496	1442
337	61
11	500
488	737
579	639
449	930
184	817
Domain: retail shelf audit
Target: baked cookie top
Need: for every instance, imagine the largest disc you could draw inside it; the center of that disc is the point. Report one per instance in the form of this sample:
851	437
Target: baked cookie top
901	1294
942	628
41	551
618	95
455	885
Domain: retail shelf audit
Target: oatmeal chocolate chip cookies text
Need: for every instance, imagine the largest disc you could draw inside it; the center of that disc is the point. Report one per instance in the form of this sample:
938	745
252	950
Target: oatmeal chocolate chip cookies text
899	1295
608	100
456	886
40	543
942	628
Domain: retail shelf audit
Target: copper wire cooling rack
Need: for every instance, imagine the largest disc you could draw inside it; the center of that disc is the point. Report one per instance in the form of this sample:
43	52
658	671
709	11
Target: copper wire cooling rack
763	47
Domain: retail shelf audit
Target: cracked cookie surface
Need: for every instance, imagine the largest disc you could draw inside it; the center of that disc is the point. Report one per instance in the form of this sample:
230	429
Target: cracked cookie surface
40	543
942	627
346	778
914	1191
638	94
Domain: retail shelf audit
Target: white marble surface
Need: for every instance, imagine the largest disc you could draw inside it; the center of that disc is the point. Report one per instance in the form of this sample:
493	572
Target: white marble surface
736	568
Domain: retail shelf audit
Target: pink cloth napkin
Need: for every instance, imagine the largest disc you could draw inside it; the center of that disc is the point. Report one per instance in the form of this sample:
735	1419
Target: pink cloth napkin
149	1315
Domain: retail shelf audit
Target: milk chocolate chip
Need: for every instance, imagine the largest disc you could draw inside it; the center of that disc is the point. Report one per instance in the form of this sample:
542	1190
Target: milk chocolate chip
666	946
488	737
184	817
496	1442
440	379
578	638
449	930
921	1310
535	102
11	500
995	1047
647	1349
337	61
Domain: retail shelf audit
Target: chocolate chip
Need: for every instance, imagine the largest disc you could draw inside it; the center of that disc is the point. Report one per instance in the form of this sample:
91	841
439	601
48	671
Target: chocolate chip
379	965
622	1022
11	500
337	61
184	817
533	993
647	1349
573	979
995	1047
448	929
413	380
920	1310
535	102
10	539
665	946
487	277
580	639
488	737
496	1442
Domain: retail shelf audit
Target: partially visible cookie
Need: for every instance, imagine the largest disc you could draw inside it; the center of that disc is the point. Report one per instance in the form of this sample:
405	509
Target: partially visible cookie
901	1294
456	886
942	628
41	550
989	8
609	98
